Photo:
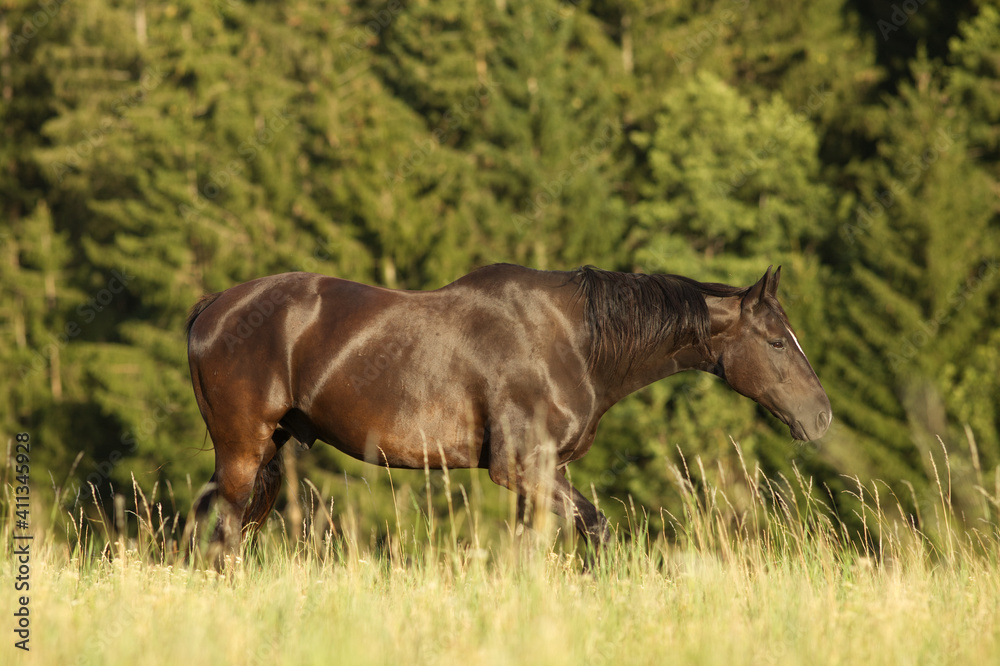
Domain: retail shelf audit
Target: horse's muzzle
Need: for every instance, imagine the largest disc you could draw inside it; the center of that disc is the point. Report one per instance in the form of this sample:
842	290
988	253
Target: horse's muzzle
823	421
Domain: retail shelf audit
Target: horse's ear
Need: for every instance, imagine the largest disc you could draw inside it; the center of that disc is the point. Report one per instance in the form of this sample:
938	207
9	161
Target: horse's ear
758	291
772	285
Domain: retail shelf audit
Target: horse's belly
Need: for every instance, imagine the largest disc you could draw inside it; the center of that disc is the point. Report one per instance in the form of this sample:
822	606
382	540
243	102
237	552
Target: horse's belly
431	436
406	385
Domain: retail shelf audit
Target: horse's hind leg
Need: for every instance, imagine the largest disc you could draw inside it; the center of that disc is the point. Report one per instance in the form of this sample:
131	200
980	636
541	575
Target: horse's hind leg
237	465
243	488
204	501
266	487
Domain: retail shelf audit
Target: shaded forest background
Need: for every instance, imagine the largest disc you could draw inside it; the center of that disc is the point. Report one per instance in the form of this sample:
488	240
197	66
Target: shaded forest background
152	152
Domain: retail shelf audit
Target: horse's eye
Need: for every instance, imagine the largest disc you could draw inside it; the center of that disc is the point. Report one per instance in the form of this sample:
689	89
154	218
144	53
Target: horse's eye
777	344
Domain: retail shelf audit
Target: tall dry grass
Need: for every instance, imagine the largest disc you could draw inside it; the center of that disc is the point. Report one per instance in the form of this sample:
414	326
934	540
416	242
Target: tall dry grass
778	579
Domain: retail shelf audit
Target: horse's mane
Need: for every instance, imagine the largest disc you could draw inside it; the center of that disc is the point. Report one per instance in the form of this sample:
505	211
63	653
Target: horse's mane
629	314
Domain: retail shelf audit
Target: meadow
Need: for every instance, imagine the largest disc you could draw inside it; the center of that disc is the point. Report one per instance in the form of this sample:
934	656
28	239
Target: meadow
785	582
157	152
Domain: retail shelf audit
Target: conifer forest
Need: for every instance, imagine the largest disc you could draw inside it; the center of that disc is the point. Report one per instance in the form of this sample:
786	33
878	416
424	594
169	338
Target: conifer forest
153	152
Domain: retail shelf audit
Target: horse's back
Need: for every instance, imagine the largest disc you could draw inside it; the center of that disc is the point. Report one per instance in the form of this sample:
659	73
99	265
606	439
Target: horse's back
289	300
359	360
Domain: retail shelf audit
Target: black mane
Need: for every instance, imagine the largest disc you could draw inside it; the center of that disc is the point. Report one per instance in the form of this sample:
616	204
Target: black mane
629	314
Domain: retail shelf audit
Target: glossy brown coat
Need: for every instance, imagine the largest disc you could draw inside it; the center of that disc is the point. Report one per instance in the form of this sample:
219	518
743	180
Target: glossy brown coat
507	369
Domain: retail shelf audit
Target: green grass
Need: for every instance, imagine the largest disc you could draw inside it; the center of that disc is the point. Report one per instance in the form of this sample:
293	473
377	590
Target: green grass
782	583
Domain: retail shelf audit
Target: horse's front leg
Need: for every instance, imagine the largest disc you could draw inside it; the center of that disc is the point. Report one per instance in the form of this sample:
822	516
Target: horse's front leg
561	497
569	502
538	477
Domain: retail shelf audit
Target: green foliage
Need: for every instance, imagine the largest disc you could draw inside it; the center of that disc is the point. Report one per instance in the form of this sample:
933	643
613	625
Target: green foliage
923	276
975	77
728	181
154	152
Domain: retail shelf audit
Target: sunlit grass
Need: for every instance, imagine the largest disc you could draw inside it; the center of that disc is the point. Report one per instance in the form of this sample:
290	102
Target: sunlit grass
783	582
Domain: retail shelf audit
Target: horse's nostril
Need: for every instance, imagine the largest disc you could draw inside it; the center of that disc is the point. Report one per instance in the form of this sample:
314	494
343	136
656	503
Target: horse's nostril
823	420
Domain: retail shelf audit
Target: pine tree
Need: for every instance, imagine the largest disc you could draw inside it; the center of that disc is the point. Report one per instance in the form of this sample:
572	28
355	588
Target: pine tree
36	333
975	79
972	381
917	303
152	153
729	180
514	94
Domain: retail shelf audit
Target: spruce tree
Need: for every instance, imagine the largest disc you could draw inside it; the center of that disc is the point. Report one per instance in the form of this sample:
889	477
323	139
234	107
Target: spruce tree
916	305
515	96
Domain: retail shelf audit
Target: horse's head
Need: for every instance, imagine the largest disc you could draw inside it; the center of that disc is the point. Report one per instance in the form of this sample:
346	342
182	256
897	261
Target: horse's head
760	358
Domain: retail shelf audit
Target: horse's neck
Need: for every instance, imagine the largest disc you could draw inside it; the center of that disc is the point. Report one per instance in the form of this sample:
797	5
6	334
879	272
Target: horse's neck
669	359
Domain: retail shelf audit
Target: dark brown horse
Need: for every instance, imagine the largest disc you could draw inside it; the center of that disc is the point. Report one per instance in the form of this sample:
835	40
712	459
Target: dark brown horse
496	370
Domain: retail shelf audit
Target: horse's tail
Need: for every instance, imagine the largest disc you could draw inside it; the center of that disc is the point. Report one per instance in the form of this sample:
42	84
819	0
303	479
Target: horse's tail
198	308
265	492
